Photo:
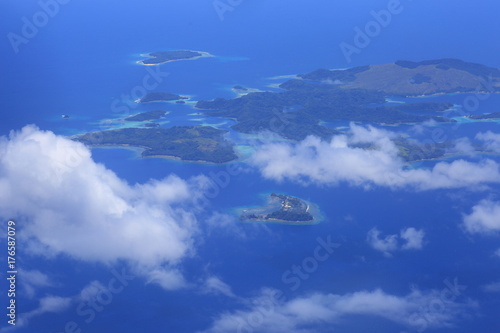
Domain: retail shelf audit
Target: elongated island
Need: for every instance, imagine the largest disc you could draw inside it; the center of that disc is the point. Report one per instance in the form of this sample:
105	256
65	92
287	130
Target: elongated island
157	58
290	210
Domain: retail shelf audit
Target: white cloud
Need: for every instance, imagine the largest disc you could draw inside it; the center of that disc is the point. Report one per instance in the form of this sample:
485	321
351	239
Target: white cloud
484	219
340	160
69	204
413	237
385	245
497	253
270	313
412	240
214	285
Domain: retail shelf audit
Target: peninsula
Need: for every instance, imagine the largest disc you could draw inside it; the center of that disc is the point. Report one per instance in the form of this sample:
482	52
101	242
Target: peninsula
292	210
188	143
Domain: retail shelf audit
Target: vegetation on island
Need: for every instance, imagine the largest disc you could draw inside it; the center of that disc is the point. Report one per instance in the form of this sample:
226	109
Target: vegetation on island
408	78
161	57
292	210
189	143
147	116
311	104
425	107
306	106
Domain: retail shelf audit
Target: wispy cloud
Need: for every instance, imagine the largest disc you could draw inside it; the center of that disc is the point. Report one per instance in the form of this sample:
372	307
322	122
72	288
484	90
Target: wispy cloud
47	304
33	279
493	287
214	285
491	140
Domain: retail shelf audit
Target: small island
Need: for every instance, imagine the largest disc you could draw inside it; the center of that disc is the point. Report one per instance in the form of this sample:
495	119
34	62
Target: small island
156	58
284	208
160	97
147	116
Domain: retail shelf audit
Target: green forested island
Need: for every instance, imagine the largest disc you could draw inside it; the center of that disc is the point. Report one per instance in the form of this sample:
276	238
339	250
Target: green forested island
409	78
292	210
157	58
189	143
147	116
313	103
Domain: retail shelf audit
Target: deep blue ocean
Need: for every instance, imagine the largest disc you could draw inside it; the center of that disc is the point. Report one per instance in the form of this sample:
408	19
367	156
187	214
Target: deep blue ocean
84	59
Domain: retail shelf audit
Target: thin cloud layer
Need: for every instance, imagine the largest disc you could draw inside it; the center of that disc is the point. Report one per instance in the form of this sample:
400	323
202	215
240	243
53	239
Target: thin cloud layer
47	304
32	280
343	159
269	313
491	140
66	203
